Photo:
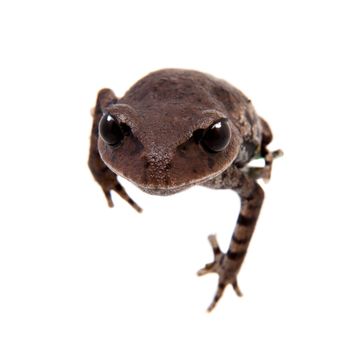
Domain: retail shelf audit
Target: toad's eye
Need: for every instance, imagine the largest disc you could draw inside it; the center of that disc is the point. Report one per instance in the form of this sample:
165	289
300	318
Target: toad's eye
111	131
217	137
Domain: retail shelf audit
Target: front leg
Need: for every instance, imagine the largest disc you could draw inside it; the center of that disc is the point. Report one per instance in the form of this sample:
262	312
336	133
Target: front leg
228	265
102	174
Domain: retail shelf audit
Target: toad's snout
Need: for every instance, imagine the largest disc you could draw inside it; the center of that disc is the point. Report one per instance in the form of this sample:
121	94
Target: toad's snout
157	170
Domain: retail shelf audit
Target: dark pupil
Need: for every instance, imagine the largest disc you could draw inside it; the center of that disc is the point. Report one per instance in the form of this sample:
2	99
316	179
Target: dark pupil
110	130
217	137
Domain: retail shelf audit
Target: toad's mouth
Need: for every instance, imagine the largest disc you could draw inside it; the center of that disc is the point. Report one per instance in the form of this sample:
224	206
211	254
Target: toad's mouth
162	189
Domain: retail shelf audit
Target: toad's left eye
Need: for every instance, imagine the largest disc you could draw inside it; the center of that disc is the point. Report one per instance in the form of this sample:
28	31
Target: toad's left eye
217	137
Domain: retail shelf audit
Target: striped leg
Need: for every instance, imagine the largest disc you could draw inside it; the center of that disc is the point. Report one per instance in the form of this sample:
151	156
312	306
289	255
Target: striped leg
228	265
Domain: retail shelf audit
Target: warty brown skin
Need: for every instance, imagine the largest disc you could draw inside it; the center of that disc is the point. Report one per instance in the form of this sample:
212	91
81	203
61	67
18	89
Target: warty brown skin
162	153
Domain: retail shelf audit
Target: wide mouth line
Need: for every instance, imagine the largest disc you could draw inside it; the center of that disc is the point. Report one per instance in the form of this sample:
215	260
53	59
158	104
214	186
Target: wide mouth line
161	188
151	187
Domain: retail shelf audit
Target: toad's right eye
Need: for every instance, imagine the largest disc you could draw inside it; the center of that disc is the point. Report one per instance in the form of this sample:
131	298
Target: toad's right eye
111	131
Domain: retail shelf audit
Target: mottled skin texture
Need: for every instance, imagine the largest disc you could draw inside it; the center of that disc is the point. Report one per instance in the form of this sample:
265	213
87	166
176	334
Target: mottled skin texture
162	156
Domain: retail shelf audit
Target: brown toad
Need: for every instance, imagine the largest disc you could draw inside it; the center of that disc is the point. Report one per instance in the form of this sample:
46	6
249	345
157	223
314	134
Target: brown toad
177	128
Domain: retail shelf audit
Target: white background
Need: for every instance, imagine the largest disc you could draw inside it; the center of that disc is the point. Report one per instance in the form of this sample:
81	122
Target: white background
75	274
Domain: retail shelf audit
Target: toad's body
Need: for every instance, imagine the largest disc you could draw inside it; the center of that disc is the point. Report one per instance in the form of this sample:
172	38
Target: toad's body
177	128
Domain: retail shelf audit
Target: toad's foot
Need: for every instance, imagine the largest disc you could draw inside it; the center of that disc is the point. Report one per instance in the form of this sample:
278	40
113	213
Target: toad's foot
225	267
118	188
264	172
